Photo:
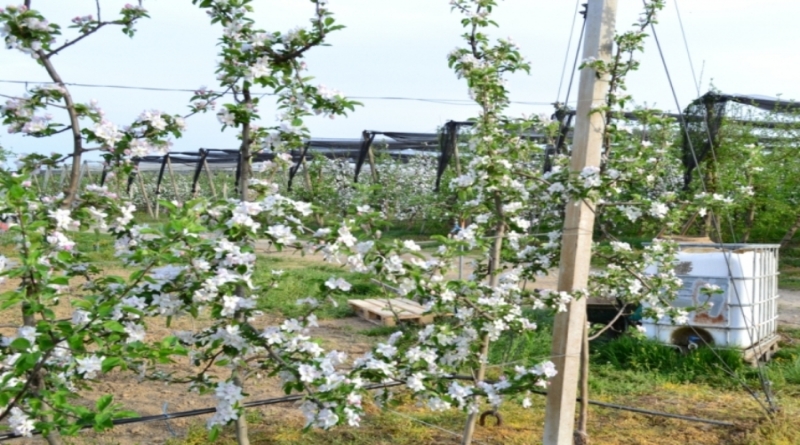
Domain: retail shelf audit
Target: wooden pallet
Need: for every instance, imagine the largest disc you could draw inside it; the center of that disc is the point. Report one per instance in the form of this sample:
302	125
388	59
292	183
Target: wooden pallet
388	312
763	351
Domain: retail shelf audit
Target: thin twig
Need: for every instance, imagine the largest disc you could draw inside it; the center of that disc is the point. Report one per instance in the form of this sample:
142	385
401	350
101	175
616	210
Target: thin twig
82	36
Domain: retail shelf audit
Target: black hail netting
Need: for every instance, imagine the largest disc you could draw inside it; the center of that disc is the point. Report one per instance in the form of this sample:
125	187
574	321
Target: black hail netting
448	146
704	117
395	144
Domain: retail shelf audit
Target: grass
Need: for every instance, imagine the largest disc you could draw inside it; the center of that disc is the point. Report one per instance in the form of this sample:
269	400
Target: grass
789	266
301	280
98	247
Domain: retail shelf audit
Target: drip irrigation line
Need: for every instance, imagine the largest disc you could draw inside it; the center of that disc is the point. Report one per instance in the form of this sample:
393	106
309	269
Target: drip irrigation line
630	408
762	376
295	398
200	411
569	44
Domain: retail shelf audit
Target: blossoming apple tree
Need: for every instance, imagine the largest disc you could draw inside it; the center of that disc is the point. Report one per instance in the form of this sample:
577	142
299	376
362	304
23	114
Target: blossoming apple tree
201	261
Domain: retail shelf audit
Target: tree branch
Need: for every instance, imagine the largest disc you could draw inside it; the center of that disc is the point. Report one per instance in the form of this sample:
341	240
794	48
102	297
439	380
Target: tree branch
609	324
63	130
83	36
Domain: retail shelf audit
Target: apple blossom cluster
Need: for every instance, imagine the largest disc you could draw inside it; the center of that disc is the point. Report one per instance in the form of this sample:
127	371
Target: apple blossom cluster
251	56
625	280
26	30
217	262
434	354
203	100
20	114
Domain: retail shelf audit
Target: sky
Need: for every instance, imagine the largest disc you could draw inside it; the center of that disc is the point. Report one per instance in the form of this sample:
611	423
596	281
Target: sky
398	49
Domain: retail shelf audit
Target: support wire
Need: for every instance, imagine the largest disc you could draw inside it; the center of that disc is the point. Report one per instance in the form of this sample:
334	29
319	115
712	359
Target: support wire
762	376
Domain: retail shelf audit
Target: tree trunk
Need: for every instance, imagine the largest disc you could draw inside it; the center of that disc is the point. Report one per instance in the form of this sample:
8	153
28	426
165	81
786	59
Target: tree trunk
581	435
469	428
77	140
245	173
790	234
749	221
37	378
242	435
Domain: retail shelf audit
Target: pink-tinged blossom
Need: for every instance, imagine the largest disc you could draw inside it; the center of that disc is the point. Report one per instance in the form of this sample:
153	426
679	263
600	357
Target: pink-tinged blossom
108	133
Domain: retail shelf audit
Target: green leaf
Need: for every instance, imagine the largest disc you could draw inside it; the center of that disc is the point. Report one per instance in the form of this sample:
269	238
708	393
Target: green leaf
103	421
114	326
124	414
110	363
20	344
104	401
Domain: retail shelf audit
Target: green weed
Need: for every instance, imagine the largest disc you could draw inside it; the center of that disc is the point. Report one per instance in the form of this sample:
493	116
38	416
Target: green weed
305	282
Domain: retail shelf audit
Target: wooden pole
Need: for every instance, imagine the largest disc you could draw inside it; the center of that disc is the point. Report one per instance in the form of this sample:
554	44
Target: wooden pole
63	176
88	171
576	247
35	181
210	178
310	186
47	174
144	194
373	169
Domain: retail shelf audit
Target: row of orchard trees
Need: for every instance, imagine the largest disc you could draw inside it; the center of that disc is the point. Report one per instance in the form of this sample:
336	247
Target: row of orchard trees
755	156
202	259
756	166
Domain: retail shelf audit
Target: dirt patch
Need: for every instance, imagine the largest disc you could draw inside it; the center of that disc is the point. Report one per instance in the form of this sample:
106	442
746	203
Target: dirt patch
789	308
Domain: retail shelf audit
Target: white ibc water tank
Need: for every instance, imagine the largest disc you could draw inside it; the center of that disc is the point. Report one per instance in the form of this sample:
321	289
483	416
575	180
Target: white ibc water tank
745	314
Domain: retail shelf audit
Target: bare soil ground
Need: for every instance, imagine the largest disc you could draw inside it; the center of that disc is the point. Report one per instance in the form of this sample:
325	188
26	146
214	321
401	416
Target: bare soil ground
150	398
789	308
